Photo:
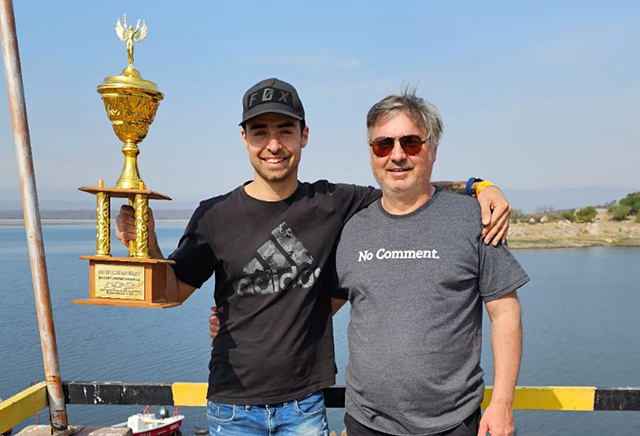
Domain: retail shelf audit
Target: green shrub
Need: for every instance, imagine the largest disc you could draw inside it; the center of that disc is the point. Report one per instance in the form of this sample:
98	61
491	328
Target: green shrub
569	215
633	201
586	215
517	215
638	218
608	204
620	212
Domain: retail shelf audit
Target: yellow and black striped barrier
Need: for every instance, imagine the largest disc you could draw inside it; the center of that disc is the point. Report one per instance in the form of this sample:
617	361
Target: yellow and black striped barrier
560	398
16	409
194	394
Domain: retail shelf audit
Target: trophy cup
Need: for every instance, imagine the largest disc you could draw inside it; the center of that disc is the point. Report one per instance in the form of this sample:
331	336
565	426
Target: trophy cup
131	104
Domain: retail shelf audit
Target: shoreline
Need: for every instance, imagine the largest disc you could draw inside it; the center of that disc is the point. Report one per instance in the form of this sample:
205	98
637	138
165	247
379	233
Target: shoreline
601	232
522	244
560	234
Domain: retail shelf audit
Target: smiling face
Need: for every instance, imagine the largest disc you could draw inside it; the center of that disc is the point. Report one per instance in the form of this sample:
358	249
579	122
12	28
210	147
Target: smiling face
402	176
275	144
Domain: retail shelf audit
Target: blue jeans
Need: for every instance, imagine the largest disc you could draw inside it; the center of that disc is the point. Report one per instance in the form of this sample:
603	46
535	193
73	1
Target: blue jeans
304	417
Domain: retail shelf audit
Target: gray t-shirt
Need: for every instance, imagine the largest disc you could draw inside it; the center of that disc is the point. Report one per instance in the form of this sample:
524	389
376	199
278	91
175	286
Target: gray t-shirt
416	283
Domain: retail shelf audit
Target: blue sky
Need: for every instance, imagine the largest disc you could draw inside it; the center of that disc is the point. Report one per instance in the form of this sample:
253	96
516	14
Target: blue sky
534	94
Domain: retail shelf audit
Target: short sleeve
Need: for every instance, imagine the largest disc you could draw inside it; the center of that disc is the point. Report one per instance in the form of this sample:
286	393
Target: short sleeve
194	257
500	272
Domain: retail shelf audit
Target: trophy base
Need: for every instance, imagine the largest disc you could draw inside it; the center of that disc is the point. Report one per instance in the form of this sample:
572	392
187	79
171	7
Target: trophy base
128	281
124	303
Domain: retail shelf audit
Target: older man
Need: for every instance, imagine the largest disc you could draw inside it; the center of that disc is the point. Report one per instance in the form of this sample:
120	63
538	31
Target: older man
415	269
268	243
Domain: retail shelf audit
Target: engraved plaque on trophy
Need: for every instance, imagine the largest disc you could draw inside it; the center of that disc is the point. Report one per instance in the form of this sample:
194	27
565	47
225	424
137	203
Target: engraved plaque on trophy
137	280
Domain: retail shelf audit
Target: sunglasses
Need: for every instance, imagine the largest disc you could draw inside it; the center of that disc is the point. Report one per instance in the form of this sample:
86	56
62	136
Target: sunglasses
411	144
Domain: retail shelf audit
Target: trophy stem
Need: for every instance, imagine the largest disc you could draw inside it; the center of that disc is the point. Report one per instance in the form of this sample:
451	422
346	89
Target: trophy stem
130	177
132	244
104	224
141	207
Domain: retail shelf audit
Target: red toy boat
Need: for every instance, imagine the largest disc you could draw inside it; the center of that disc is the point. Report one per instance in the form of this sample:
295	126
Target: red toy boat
147	424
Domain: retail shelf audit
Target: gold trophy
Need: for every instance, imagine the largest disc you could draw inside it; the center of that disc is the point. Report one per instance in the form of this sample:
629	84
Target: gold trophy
131	104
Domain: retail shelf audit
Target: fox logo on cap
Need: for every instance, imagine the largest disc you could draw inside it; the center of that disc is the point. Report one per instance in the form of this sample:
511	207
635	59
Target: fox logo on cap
272	95
267	95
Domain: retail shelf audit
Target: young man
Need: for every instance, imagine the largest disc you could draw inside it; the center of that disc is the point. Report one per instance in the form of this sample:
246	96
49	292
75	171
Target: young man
415	269
268	243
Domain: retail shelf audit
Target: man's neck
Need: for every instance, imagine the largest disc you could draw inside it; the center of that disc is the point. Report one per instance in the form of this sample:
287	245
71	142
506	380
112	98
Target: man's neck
271	191
405	203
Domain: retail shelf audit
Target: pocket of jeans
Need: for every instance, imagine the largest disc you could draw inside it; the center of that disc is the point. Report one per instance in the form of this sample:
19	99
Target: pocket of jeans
220	412
310	405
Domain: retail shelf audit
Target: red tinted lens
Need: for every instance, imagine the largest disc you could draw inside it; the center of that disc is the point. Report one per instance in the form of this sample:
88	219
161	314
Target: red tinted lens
382	146
411	144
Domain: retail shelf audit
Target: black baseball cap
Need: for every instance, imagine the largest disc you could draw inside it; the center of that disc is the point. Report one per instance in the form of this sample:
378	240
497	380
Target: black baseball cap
271	95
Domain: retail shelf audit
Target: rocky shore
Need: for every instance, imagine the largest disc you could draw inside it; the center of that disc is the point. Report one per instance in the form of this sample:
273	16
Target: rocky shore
564	234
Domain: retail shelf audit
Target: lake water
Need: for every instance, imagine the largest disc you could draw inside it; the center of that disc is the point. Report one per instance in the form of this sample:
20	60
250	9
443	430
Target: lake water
580	317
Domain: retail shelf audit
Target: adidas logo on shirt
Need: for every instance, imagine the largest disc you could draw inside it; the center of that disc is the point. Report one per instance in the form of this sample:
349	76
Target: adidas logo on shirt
280	262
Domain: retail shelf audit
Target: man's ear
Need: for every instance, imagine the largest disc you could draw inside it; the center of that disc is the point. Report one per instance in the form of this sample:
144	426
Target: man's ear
244	138
305	137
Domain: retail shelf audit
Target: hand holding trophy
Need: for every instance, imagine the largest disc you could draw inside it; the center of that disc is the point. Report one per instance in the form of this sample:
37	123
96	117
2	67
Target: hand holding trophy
131	104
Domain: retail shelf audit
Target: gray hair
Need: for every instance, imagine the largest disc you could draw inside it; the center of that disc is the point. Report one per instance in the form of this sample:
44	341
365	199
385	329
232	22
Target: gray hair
421	112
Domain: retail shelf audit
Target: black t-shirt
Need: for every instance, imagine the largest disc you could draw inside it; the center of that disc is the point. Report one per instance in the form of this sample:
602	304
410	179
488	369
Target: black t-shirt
271	287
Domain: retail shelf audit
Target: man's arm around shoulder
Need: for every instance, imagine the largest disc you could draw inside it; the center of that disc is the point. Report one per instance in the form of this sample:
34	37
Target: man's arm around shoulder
493	204
506	344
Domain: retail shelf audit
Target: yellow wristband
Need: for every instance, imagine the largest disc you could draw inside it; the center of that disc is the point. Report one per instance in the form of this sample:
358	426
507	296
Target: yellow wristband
481	186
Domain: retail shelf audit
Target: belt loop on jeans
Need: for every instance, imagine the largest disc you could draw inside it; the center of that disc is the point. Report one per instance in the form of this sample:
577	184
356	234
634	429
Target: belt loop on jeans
247	408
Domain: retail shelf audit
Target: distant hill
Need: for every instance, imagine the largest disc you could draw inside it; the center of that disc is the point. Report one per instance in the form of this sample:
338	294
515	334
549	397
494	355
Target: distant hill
528	200
58	199
159	214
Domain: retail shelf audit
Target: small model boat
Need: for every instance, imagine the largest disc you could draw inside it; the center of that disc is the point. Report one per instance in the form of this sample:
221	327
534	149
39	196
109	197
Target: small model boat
147	424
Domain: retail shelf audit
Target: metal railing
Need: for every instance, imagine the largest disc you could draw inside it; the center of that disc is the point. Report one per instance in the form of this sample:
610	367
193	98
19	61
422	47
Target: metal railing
21	406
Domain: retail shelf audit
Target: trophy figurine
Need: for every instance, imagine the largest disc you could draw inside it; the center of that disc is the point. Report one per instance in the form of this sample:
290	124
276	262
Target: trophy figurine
137	280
